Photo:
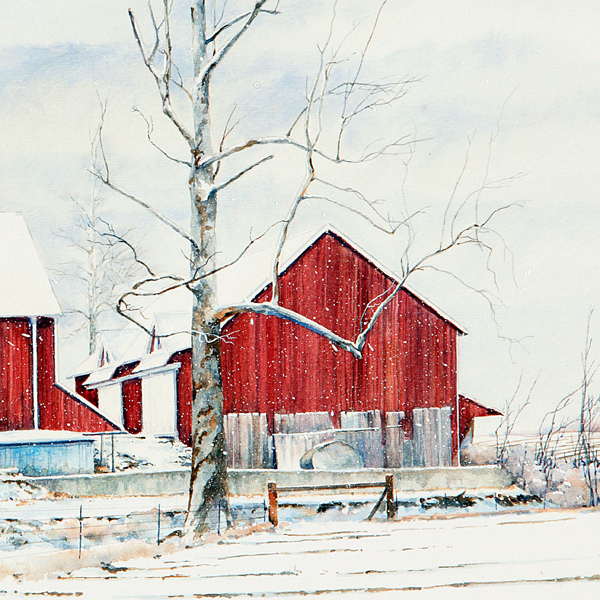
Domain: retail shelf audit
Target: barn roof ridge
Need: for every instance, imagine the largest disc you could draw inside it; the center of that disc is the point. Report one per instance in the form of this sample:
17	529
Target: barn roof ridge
131	355
332	230
495	411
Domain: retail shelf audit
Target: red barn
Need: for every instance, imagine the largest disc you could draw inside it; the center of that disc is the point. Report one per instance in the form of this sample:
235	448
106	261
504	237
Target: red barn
276	366
272	367
30	397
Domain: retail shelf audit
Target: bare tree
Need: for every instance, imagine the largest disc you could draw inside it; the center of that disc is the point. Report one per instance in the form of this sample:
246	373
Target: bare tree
587	456
511	412
106	263
339	94
552	431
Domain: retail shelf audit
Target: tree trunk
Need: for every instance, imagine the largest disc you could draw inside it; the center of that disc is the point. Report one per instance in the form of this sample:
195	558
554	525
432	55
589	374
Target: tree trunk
208	483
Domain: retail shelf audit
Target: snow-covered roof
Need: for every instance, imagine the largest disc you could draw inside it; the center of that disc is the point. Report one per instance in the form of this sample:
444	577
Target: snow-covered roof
175	324
101	374
111	348
26	290
318	233
41	436
171	333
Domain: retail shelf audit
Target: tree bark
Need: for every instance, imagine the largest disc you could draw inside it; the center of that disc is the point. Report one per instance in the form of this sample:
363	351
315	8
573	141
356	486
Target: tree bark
208	483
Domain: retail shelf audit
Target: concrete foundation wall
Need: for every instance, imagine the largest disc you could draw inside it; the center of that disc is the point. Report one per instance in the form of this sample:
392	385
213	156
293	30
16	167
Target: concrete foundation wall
409	480
254	482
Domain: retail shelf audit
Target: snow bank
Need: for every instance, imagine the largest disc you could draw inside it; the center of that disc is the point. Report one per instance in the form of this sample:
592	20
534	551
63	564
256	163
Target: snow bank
14	487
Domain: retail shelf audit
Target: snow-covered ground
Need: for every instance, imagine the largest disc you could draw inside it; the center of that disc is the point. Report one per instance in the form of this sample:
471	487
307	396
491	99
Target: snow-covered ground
540	554
44	525
140	453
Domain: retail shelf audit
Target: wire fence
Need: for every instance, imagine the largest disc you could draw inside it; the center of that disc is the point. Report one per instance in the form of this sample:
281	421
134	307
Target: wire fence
566	447
52	530
80	527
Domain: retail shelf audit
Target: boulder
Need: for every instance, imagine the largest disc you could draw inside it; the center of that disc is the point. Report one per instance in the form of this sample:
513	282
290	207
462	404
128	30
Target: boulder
332	456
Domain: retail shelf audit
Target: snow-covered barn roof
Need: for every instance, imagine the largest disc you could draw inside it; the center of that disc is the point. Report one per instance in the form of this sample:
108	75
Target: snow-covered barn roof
174	323
26	290
170	335
329	228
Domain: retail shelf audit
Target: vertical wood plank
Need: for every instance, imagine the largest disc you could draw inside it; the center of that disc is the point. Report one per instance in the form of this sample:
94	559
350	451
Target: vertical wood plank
394	439
418	434
245	429
446	436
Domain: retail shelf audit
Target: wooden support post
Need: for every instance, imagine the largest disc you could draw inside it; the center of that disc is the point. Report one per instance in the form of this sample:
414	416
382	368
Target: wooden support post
158	528
80	527
272	491
389	496
112	450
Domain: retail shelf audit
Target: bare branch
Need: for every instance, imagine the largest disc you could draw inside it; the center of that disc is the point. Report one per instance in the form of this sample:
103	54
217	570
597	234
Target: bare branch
149	129
220	186
218	57
310	168
390	149
351	86
392	225
176	228
163	79
121	240
226	131
510	419
229	24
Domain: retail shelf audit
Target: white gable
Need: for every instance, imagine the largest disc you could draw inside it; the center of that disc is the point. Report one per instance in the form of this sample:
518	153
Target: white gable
24	286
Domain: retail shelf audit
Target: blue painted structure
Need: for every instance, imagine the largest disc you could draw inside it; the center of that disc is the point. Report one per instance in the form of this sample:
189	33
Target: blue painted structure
41	453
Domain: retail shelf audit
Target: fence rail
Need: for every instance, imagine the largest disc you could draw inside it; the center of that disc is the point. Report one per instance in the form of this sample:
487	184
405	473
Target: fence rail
273	492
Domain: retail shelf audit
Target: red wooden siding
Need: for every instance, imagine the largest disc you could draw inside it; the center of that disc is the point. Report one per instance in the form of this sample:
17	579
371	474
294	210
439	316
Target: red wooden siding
274	366
58	408
184	395
90	394
132	405
468	410
131	393
16	368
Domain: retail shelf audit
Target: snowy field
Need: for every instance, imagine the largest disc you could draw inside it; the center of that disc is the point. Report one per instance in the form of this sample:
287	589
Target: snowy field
536	554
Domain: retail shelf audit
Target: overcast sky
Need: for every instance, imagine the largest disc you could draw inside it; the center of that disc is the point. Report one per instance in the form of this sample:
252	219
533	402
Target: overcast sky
527	74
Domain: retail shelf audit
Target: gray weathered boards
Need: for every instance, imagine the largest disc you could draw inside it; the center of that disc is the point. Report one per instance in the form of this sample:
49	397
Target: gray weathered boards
247	441
432	437
362	430
301	422
249	445
394	439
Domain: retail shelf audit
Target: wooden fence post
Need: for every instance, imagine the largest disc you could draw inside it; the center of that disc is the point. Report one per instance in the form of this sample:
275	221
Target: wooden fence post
112	451
80	527
389	496
272	491
158	528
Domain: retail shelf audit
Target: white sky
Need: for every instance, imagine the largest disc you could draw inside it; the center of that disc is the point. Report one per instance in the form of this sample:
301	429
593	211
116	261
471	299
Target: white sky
541	59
